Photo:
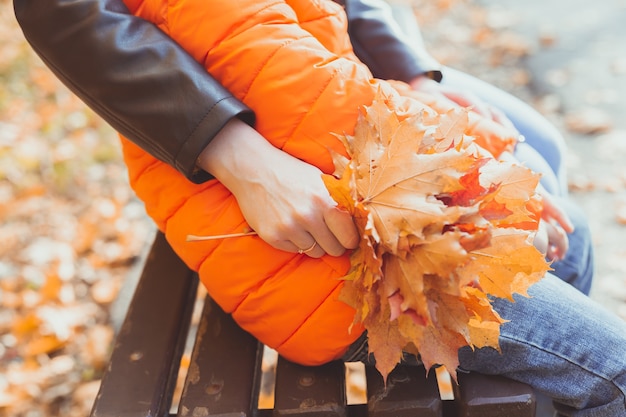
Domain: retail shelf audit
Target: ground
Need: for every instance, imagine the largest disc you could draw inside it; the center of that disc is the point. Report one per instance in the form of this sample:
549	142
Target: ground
72	233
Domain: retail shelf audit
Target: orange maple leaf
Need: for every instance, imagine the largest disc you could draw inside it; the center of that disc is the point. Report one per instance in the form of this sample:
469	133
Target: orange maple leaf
440	222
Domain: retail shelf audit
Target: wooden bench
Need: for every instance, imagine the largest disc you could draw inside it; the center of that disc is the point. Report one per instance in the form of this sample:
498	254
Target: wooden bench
224	375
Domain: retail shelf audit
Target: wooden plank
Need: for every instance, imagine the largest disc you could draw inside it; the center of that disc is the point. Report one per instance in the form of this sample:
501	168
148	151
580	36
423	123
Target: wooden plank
144	364
305	391
224	374
493	396
408	393
225	369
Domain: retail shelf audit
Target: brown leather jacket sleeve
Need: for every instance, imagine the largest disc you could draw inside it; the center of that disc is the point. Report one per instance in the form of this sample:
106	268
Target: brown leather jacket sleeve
389	43
152	91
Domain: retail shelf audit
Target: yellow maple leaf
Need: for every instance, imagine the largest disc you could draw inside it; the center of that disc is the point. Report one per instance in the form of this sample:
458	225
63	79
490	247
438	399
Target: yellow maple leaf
509	265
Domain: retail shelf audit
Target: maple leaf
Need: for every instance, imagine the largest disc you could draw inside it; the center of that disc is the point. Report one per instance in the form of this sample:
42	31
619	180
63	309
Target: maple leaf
509	265
515	190
382	333
449	132
444	226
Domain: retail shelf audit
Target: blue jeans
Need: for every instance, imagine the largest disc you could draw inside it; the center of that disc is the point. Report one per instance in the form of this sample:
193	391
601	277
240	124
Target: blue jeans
562	344
558	341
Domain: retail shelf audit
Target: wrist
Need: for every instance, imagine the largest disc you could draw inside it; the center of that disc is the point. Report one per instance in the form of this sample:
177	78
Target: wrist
223	155
239	156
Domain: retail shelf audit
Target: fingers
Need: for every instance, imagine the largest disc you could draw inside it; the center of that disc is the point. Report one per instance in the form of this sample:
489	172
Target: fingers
558	242
309	249
328	231
552	212
395	303
556	224
558	215
335	233
463	98
541	240
395	306
307	245
479	106
551	240
342	226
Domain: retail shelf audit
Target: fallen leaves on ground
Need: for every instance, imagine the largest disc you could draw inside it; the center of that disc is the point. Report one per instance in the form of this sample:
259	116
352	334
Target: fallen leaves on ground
70	231
588	121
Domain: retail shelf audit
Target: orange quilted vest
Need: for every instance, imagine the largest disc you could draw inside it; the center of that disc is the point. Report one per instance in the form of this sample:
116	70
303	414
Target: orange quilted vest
281	59
292	63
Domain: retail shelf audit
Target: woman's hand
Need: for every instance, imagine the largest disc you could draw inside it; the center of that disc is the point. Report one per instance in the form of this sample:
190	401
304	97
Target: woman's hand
455	97
283	199
554	225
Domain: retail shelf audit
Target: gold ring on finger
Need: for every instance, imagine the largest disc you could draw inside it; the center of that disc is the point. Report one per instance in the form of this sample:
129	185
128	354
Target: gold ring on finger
301	251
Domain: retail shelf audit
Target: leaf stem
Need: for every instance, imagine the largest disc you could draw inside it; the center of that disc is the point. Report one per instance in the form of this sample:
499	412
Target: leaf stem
195	238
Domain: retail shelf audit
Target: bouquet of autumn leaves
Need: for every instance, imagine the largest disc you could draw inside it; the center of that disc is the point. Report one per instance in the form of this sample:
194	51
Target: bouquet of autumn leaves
444	225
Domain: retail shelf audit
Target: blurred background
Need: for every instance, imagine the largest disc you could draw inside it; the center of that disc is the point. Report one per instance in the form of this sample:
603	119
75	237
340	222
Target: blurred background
72	235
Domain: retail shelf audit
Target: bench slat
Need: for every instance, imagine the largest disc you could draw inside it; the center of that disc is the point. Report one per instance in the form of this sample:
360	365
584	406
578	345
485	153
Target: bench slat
141	376
305	391
224	373
493	396
408	393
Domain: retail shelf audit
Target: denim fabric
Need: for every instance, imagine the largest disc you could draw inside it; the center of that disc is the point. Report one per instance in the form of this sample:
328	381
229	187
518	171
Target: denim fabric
562	344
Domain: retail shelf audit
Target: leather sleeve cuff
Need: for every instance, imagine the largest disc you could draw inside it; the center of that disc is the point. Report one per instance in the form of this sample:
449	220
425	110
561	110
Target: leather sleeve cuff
216	118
